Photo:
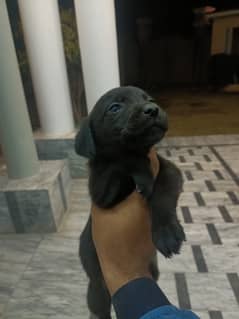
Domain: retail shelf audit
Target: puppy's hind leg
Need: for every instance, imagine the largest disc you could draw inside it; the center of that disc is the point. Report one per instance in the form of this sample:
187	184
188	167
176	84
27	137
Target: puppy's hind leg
98	297
153	268
99	301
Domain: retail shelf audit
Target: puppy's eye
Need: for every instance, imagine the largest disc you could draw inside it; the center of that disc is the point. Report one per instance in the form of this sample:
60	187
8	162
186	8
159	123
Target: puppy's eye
115	107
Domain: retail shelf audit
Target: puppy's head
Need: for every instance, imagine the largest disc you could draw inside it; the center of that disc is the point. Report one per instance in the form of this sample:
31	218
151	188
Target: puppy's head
124	119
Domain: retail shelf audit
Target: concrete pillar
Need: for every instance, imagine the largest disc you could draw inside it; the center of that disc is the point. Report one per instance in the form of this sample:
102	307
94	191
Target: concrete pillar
98	46
15	128
43	38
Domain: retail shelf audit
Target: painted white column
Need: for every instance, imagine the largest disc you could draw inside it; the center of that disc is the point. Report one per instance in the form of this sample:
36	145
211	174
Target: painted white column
43	38
15	129
98	45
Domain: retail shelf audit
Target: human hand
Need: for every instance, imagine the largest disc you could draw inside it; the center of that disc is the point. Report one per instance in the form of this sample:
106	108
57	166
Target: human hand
123	239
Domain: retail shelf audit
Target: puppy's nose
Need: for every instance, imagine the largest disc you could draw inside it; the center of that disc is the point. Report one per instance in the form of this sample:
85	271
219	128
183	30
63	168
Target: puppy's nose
151	110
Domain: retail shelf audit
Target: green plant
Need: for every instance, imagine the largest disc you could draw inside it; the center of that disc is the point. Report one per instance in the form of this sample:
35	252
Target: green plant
69	31
72	54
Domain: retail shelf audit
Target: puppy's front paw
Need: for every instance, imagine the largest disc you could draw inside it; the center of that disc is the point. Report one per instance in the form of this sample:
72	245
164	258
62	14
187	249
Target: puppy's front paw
168	239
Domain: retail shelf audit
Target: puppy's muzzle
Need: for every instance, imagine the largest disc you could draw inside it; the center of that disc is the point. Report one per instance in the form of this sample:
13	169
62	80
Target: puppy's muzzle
162	120
153	113
150	110
144	118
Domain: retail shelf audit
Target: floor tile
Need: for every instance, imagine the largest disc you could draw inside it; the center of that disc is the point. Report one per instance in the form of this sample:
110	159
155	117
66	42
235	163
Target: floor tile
41	276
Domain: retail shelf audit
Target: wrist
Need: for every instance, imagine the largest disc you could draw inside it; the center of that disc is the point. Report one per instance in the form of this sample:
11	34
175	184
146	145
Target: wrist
117	279
149	297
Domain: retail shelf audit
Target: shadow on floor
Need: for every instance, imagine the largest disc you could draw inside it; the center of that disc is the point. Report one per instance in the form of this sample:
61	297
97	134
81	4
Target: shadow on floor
197	112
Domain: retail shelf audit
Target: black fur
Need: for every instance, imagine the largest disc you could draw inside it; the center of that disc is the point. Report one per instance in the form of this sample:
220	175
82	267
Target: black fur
116	137
223	70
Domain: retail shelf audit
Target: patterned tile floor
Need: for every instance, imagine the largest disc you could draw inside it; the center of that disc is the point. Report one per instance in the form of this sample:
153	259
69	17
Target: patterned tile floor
41	277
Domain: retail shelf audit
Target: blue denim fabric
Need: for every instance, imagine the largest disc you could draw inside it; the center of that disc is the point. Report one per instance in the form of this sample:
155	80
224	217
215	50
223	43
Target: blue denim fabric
169	312
143	299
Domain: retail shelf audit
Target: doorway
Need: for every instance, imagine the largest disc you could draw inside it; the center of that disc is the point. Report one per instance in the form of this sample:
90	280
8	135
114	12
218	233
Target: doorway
164	47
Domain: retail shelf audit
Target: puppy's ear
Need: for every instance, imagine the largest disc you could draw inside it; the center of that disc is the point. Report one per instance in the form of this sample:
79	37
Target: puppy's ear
84	142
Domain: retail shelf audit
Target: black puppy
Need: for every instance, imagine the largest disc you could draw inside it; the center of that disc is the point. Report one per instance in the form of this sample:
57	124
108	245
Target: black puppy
116	137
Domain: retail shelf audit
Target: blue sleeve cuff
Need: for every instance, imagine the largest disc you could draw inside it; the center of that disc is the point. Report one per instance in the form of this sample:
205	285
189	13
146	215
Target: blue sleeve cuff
138	298
169	312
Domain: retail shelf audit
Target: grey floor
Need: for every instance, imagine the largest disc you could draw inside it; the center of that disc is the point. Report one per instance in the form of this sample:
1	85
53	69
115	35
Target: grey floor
41	277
